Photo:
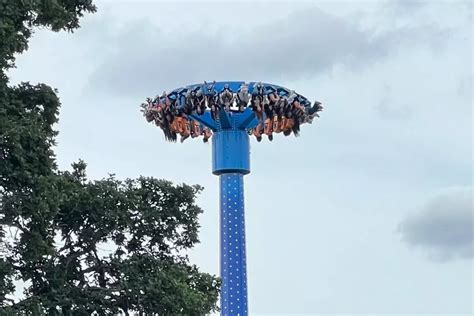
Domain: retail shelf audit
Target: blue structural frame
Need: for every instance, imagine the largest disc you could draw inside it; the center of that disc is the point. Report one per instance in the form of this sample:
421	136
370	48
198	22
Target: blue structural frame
231	161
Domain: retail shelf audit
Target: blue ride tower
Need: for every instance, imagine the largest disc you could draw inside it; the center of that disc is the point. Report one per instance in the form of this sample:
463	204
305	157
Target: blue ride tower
230	162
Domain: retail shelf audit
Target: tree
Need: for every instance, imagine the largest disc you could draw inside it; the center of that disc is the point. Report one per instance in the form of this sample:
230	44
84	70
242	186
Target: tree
81	246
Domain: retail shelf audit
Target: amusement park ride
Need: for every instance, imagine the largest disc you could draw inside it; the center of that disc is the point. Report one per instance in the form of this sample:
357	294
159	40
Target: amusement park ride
230	112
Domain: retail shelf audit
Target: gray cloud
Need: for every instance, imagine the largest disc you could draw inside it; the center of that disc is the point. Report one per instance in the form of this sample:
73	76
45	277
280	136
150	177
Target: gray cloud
444	226
146	57
303	44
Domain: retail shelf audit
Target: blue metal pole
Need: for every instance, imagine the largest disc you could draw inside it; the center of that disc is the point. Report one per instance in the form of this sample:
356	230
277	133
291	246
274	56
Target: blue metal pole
232	244
231	161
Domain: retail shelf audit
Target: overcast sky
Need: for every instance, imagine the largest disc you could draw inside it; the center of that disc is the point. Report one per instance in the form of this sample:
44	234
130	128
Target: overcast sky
369	210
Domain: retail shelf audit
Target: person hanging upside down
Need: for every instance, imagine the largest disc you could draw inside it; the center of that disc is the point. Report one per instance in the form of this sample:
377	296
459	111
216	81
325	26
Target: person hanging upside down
226	97
207	133
243	97
270	113
268	129
195	129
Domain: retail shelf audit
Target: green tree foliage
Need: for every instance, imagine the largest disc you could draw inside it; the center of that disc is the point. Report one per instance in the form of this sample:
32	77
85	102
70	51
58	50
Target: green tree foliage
80	246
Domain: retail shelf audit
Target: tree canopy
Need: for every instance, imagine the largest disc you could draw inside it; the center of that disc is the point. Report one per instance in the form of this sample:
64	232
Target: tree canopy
79	246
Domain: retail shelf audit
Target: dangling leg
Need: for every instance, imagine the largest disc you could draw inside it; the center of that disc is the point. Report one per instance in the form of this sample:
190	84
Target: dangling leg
257	132
268	128
289	125
276	124
186	131
211	105
195	132
172	126
191	128
181	125
283	124
227	105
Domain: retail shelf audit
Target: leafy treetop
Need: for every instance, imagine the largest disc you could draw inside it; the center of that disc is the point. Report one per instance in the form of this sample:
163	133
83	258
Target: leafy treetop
81	246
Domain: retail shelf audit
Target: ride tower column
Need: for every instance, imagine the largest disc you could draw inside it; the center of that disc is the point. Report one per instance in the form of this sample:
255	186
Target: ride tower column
231	161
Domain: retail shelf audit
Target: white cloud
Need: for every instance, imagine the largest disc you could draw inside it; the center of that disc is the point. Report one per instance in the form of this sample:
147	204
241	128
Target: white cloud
148	57
444	226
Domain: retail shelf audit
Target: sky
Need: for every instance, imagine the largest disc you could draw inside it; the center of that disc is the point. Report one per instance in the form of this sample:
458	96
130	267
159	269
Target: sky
368	211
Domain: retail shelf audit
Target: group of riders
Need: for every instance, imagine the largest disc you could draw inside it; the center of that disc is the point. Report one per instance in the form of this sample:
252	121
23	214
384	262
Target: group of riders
277	109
